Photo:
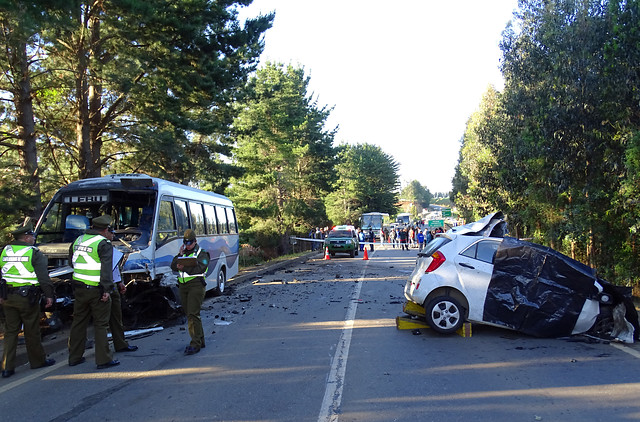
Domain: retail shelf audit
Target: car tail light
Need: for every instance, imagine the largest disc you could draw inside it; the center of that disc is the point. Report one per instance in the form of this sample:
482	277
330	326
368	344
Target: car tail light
436	260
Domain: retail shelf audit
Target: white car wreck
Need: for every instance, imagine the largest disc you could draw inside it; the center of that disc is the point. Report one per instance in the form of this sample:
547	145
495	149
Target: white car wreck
475	273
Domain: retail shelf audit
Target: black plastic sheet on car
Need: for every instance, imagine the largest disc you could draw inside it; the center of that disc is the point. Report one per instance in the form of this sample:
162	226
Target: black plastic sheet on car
536	290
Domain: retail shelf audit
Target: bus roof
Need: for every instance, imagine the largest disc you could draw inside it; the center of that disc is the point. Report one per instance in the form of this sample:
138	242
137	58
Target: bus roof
143	182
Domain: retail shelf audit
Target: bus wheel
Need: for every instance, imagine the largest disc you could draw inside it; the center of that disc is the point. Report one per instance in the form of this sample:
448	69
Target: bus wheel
220	282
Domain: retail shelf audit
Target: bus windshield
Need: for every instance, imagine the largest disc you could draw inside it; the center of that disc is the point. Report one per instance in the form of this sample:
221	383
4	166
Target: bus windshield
70	214
403	218
372	220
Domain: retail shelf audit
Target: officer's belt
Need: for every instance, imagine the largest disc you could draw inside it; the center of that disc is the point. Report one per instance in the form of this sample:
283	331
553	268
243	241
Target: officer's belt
22	290
85	286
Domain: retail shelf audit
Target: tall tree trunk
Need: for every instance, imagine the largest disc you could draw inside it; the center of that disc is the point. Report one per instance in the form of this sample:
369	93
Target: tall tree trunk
82	111
95	96
88	96
27	148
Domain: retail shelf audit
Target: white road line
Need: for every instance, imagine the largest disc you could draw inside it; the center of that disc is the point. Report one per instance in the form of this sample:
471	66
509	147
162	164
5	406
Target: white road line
626	349
335	382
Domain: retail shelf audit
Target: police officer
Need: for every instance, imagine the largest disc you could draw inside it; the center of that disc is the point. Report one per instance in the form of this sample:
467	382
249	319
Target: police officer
404	236
191	284
91	256
115	319
24	268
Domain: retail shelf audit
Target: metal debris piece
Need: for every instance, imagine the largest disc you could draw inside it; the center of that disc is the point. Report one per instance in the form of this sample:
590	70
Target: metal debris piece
139	333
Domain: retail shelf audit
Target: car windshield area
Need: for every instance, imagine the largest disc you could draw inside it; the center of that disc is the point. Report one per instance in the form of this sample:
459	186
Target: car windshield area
70	215
433	246
340	233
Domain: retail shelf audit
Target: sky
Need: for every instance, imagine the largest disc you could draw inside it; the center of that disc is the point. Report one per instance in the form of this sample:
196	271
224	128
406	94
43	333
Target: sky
405	76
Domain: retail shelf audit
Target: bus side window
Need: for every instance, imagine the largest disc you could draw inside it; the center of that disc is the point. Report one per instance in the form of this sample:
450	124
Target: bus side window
181	216
166	222
145	225
222	220
233	226
197	217
210	218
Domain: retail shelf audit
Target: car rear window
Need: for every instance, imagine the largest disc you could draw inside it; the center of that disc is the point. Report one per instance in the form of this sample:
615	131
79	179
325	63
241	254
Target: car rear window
485	250
433	246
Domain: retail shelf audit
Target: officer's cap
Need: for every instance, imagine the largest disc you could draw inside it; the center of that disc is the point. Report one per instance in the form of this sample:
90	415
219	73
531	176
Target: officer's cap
101	223
25	228
189	235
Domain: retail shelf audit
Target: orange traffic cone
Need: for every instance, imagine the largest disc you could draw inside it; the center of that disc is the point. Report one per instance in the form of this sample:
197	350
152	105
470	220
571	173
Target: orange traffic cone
366	256
326	253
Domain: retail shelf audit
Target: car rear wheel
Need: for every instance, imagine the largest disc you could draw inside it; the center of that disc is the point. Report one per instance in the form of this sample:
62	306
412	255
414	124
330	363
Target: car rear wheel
444	314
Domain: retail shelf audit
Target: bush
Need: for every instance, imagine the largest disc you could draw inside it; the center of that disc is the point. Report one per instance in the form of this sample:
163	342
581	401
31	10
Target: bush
251	255
268	241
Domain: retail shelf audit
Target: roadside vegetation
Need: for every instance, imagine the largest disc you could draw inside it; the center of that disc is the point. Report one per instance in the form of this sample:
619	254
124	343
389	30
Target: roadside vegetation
251	256
558	150
95	88
103	87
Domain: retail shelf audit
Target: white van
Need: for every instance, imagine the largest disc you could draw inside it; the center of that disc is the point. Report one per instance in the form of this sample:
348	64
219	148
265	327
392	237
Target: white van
150	216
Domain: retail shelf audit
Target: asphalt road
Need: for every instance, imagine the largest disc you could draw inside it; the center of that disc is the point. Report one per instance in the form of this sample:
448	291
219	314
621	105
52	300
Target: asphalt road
317	341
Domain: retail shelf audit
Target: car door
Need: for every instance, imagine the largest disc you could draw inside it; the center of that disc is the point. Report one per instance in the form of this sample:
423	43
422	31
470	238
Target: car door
475	266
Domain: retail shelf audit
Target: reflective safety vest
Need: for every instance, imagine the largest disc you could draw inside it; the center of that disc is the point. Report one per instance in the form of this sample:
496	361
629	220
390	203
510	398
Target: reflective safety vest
17	268
183	276
85	259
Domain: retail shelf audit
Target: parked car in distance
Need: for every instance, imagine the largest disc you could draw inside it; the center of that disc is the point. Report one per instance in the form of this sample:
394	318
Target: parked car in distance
342	239
475	273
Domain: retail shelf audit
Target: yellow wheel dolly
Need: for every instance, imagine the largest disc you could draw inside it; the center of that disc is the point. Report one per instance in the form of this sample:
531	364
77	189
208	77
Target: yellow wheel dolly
416	320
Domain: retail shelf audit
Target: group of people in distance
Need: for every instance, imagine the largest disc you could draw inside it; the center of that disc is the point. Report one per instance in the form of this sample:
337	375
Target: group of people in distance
403	237
411	236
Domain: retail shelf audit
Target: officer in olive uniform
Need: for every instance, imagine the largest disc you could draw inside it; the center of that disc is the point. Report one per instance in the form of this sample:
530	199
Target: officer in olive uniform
91	256
371	238
192	288
115	320
24	268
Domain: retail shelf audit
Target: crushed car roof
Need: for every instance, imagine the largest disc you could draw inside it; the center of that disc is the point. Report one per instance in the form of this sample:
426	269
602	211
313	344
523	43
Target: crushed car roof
493	225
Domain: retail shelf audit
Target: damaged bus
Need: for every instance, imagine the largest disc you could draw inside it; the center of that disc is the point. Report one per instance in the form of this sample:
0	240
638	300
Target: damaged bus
149	216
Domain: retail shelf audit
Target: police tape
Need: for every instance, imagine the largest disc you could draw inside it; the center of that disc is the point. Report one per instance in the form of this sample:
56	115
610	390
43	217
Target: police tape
308	239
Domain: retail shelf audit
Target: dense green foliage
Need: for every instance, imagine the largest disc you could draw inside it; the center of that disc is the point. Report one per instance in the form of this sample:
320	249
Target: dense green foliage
21	28
162	87
293	178
417	193
557	150
116	86
367	182
120	86
287	157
